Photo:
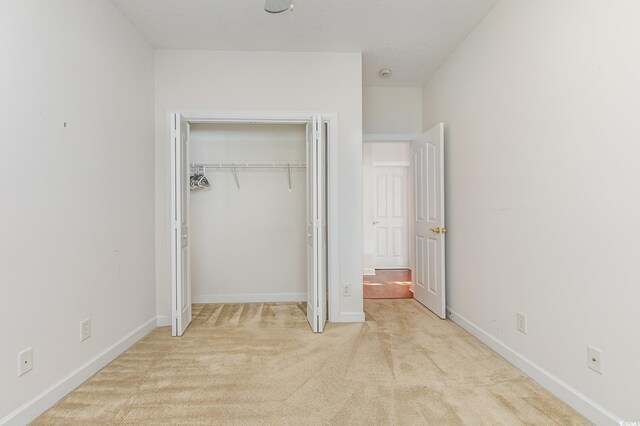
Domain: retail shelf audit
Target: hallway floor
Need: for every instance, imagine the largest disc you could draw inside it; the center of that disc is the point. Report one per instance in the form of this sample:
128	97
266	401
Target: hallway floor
388	284
259	364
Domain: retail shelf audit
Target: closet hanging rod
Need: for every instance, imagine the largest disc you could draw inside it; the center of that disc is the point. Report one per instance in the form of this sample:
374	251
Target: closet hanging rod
248	165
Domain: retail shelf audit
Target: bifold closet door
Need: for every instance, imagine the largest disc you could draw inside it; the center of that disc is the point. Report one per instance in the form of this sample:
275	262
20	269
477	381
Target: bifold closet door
316	226
180	260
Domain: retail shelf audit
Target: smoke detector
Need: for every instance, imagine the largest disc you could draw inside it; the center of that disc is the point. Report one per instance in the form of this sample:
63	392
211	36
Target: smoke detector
278	6
384	72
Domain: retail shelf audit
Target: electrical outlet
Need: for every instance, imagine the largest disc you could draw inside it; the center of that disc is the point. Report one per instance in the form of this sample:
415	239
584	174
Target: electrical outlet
346	290
85	329
521	322
25	361
594	359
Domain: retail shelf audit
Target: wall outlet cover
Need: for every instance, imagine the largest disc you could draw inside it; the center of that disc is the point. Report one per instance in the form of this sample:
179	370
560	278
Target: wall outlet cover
25	361
85	329
594	360
521	322
346	290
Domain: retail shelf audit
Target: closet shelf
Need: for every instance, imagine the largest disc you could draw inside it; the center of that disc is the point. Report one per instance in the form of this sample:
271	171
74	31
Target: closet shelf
234	166
248	165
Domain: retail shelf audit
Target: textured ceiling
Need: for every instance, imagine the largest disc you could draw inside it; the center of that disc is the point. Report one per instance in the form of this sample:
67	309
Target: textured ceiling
411	37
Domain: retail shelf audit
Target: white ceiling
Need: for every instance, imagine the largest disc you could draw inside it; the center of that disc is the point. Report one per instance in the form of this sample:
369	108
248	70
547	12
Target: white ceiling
411	37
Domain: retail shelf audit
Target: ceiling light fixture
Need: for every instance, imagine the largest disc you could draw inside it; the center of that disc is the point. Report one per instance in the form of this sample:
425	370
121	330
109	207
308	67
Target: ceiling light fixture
385	72
278	6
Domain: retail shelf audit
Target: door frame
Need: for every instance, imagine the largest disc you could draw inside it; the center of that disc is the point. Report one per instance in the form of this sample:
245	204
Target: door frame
332	195
408	204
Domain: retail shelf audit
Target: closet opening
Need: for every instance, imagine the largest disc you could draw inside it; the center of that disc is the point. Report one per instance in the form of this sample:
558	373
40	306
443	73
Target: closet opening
248	230
253	202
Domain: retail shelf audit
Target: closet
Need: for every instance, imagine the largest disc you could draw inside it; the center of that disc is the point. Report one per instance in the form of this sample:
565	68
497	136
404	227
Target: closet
248	232
249	213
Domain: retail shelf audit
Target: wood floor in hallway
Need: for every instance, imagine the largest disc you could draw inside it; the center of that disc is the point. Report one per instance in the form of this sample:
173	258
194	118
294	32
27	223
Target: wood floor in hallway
259	364
388	284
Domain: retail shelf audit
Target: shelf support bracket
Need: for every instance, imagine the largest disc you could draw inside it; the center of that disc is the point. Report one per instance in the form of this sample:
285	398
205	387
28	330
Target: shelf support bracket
235	175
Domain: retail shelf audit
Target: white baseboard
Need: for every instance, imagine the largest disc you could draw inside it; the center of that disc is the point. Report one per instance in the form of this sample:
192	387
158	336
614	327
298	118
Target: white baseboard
368	271
163	321
249	298
28	411
350	317
572	397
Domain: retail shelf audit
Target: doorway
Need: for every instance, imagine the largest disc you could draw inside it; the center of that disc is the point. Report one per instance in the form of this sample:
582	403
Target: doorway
320	225
387	269
396	219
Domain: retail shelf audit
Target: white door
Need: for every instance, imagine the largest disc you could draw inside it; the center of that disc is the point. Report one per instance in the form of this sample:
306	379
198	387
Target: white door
429	228
390	217
180	265
316	226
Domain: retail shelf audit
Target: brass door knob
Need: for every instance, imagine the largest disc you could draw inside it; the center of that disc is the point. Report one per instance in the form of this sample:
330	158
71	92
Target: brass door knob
439	230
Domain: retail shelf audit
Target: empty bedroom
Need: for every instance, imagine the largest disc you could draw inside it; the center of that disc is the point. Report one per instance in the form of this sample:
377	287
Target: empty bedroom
284	212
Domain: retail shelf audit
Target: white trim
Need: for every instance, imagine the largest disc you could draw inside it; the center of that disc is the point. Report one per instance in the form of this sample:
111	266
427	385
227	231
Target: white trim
565	392
399	137
284	117
333	223
250	298
331	118
163	321
391	164
350	317
369	271
28	411
393	268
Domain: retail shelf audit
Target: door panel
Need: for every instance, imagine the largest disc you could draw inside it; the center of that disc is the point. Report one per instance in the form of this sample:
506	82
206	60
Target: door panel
390	218
419	266
382	242
316	226
429	227
398	241
381	191
181	262
323	260
311	234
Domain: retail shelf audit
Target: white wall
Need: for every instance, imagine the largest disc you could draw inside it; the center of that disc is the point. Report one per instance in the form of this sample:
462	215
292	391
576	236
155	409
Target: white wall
541	106
77	201
249	244
377	152
391	110
267	81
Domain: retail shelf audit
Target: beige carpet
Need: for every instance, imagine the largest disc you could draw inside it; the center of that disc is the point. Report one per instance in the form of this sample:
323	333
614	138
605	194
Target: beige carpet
260	364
